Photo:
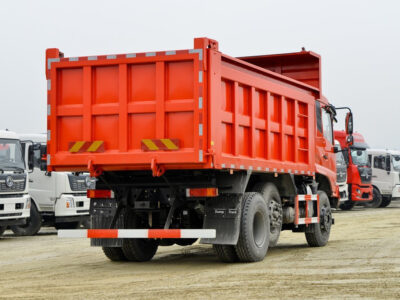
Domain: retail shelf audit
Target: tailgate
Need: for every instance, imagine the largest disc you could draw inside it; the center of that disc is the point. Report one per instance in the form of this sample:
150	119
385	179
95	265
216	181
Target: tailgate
124	111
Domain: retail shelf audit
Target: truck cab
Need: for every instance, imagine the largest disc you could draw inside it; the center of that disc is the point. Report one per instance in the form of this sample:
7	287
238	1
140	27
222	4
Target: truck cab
15	201
359	172
341	174
385	175
58	198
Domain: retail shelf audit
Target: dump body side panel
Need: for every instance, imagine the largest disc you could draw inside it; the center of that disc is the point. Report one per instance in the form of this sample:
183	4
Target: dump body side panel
263	123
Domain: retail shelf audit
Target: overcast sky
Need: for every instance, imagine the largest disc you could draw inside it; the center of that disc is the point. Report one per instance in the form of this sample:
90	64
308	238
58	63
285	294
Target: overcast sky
359	42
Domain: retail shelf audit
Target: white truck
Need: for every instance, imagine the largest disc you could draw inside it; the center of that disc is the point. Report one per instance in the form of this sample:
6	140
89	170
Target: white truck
58	198
385	176
15	201
341	174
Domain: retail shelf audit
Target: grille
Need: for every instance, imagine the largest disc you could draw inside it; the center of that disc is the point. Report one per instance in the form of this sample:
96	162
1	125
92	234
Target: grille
77	183
365	174
19	182
341	173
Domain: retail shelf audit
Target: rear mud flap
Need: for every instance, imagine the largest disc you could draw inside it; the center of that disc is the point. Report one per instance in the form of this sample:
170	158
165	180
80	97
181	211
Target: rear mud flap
102	212
223	214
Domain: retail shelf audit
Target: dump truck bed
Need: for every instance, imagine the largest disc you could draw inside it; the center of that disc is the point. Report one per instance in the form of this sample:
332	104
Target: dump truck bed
183	109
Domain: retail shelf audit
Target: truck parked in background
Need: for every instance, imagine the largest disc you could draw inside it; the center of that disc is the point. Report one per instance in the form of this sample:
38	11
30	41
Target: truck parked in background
385	176
359	172
14	198
341	175
58	198
192	144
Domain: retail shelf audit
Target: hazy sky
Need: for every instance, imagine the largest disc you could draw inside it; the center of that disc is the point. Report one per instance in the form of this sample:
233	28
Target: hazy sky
359	42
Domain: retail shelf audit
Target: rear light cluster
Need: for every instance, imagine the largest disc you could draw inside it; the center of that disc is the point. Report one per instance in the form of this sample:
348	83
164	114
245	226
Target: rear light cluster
100	194
202	192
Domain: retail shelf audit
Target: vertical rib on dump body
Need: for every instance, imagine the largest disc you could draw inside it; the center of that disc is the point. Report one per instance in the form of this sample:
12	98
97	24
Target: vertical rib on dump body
183	109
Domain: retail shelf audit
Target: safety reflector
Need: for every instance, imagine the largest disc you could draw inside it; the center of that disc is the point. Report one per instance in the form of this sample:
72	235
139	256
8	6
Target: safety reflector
100	194
83	146
138	233
306	209
202	192
160	144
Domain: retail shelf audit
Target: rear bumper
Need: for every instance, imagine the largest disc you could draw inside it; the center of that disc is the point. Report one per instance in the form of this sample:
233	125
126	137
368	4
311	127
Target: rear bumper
69	205
15	209
361	192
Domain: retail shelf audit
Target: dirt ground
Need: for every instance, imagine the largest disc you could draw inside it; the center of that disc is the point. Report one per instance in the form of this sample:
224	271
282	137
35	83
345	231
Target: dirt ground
362	260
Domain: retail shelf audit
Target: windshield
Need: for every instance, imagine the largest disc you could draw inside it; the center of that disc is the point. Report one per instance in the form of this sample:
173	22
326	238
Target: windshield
359	156
340	159
396	162
11	155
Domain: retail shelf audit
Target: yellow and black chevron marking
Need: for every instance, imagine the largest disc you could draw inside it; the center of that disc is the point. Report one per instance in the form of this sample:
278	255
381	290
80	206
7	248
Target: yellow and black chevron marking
83	146
160	144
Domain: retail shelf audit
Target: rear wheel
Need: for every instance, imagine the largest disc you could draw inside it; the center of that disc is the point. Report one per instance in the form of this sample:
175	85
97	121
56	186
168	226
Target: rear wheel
32	225
376	199
385	201
138	249
253	240
273	200
2	229
317	235
346	205
114	253
226	253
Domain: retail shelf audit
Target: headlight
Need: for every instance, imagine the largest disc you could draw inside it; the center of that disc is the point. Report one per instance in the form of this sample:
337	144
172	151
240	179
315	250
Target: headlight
69	203
89	181
28	203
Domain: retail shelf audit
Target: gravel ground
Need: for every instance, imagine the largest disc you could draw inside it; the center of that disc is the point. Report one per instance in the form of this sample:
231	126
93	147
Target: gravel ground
361	260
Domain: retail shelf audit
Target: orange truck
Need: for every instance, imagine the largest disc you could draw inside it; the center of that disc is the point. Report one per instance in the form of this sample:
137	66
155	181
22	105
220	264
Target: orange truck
195	144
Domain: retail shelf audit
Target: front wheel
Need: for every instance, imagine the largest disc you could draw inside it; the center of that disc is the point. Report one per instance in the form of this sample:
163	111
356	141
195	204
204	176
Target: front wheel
2	229
317	235
346	205
254	233
32	225
385	201
376	199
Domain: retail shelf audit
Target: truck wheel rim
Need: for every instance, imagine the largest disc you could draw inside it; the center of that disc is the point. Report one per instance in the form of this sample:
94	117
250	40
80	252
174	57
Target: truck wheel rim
326	217
275	217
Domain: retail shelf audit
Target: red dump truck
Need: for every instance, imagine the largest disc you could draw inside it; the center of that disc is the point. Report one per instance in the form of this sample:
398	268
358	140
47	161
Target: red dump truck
195	144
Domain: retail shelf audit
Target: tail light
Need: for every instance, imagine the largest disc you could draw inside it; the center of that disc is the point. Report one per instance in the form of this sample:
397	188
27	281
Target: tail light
202	192
100	194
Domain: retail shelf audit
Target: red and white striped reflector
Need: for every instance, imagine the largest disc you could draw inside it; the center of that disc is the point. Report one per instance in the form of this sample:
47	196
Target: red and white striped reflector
138	233
100	194
306	219
202	192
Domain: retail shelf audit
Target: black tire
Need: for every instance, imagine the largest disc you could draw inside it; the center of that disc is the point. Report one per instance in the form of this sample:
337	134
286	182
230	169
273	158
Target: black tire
253	240
2	229
385	201
226	253
139	250
317	235
346	205
114	253
33	224
67	225
376	199
273	200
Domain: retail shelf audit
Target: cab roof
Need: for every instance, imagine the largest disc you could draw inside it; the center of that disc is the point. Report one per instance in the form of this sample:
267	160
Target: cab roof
6	134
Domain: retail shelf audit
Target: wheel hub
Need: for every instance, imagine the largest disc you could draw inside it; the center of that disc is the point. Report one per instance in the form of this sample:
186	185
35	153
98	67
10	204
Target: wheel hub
326	218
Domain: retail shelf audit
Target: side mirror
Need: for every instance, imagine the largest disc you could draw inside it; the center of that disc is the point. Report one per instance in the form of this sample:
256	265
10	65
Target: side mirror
350	140
349	123
336	149
43	157
31	158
